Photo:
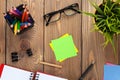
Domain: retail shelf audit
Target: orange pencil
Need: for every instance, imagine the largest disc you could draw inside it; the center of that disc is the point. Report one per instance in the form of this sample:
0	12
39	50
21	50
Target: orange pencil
26	16
23	16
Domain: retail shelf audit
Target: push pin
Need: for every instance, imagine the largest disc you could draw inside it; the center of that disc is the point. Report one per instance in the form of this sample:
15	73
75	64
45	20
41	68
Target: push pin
29	52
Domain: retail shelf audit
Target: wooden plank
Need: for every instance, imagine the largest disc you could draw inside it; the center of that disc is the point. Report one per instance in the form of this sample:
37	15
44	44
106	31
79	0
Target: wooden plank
32	38
67	24
2	32
92	44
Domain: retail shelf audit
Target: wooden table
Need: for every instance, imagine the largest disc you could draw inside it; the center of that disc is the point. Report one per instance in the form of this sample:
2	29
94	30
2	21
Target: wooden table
39	37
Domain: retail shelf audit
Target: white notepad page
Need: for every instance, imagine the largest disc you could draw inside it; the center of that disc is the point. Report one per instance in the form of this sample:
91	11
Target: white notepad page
11	73
42	76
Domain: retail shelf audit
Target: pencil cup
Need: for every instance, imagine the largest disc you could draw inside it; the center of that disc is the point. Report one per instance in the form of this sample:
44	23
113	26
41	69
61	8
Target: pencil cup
19	19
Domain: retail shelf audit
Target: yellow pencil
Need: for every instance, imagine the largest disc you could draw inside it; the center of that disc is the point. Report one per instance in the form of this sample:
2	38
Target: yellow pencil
15	29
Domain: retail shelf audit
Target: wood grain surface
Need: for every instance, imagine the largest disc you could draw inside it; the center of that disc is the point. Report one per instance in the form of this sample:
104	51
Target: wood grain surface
67	24
38	38
2	32
32	38
92	43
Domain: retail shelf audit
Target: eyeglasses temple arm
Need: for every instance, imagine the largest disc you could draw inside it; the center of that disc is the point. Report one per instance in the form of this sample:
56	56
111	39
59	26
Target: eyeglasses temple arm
47	23
75	10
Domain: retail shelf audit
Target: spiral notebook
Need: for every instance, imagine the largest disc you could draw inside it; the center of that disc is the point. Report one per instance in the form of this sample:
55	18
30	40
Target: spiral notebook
12	73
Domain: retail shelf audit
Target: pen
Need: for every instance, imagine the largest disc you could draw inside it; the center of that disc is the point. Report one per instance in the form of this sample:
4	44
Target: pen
87	70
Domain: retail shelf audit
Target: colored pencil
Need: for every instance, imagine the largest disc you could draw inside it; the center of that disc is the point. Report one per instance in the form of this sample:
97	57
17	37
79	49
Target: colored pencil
18	26
15	29
49	64
26	16
23	15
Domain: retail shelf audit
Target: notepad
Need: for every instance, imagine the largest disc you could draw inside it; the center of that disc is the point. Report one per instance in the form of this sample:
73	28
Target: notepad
12	73
111	72
63	47
42	76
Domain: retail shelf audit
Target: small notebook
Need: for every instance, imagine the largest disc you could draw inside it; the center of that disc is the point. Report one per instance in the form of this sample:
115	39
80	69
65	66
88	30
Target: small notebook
12	73
111	72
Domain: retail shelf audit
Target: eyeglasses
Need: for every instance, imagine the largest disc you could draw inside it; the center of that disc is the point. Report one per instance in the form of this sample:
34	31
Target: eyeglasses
56	15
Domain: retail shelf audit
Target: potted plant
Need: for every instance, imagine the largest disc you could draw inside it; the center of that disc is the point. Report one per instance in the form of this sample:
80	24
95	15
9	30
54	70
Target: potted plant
107	20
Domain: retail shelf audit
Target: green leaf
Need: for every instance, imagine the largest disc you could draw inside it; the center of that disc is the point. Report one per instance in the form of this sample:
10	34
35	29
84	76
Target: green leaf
116	2
97	7
99	23
89	14
109	3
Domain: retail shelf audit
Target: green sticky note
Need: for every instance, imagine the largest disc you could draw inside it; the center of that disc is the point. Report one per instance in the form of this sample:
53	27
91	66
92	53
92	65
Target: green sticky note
64	48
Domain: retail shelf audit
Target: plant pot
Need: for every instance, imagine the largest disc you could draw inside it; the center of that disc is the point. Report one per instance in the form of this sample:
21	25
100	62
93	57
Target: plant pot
105	28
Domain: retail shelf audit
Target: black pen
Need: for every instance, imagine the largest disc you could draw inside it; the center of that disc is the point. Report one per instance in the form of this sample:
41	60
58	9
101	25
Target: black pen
87	70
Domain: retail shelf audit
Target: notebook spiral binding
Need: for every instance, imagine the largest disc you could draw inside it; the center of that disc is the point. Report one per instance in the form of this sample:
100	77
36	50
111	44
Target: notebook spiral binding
31	76
37	77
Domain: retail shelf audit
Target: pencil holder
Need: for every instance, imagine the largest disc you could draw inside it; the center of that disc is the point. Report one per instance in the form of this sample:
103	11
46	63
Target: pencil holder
19	19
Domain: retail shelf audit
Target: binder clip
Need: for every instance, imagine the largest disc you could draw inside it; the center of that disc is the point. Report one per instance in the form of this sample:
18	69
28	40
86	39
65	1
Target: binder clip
29	52
15	56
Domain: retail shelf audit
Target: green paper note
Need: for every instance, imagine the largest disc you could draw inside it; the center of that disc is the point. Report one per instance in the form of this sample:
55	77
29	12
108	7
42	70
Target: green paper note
64	48
65	35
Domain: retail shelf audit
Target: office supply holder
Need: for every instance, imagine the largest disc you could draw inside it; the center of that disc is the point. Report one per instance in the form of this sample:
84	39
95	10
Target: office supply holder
16	15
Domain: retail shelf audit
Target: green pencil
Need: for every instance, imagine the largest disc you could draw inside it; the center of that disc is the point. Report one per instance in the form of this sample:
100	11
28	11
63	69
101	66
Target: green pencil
18	26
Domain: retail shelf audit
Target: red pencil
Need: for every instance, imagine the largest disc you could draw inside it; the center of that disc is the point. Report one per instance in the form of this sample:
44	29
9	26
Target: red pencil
22	27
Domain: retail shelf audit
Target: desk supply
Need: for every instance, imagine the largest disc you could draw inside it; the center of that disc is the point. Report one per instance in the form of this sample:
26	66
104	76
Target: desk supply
49	64
29	52
111	72
19	19
16	57
12	73
63	47
87	70
56	15
42	76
